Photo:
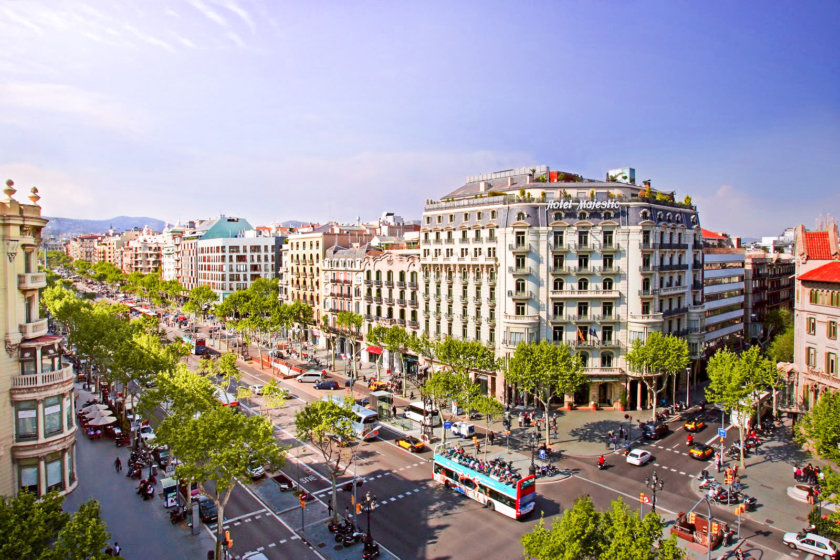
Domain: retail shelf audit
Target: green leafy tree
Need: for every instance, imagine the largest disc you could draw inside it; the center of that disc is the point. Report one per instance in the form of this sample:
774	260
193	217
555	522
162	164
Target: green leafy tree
328	426
58	259
198	299
781	347
300	313
488	407
819	430
583	533
225	368
737	381
377	336
39	529
659	357
547	370
350	325
214	443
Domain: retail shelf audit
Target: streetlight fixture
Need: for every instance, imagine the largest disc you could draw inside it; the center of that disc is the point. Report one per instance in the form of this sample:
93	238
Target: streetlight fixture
368	506
654	483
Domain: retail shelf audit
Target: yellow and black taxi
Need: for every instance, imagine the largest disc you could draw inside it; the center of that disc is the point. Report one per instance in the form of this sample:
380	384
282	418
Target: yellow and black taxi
700	451
694	425
377	385
411	443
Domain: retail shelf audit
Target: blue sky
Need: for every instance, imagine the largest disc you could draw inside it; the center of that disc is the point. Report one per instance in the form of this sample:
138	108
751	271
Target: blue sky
333	110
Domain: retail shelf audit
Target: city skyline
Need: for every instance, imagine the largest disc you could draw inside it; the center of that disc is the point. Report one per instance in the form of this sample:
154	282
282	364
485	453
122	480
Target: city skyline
197	108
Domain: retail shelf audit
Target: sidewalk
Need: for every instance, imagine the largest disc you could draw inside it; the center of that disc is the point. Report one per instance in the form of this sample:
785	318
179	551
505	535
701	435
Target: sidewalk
141	527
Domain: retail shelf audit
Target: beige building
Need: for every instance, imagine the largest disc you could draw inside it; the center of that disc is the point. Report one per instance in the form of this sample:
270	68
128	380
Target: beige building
817	315
38	429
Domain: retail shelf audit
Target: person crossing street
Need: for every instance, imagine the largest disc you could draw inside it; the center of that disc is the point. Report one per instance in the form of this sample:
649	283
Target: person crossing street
117	465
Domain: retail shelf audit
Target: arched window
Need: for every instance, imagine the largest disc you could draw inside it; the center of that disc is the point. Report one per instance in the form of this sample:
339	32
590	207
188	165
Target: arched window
558	216
582	215
583	284
608	283
608	215
520	217
584	358
606	360
414	277
520	285
645	214
557	285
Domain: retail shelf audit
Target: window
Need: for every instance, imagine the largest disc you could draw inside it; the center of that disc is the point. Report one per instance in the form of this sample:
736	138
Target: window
606	360
28	475
558	238
520	286
492	214
557	285
606	334
607	309
520	217
832	330
55	472
584	358
812	325
520	238
557	309
557	334
558	216
520	262
811	356
451	218
26	421
466	216
831	363
607	284
478	215
583	238
520	309
583	284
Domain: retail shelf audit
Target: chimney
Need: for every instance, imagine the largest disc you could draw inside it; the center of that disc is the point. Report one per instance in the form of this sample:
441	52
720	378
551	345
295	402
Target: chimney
510	181
482	186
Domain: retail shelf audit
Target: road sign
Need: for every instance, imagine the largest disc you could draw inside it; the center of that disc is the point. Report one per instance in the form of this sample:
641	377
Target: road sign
722	433
644	499
447	425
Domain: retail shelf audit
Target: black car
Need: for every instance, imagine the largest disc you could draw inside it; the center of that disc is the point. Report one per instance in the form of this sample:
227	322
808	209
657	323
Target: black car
655	431
331	385
207	509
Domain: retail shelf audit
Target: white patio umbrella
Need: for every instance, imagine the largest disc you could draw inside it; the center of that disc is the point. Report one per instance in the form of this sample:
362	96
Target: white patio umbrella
102	421
95	407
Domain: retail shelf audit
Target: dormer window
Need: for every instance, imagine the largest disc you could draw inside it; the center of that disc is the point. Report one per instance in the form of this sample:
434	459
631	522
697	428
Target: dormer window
608	215
558	216
582	215
520	217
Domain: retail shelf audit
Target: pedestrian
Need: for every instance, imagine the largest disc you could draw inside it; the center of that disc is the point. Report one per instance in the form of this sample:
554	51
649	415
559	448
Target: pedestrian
554	431
476	444
117	549
491	436
621	432
117	464
735	470
394	411
329	508
614	443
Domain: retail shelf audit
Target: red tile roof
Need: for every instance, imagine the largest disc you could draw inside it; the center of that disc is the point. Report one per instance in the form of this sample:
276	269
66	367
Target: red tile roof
826	273
816	245
712	235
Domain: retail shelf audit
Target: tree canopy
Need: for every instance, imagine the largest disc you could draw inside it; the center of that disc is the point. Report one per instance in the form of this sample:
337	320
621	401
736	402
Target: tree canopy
583	533
820	430
660	355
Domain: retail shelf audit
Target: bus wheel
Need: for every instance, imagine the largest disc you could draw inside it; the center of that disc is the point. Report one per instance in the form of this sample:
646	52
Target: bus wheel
446	484
491	506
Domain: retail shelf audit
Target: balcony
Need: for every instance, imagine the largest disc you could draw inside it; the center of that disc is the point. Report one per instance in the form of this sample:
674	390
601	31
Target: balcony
646	317
39	380
649	245
610	270
611	343
581	270
530	318
598	371
377	299
610	247
672	246
586	247
427	296
585	293
611	318
646	269
675	311
581	318
377	282
413	325
389	301
648	293
32	281
400	284
523	271
561	248
33	329
401	322
369	299
464	240
491	281
697	286
389	283
670	290
520	295
412	302
672	267
400	302
520	247
412	285
491	302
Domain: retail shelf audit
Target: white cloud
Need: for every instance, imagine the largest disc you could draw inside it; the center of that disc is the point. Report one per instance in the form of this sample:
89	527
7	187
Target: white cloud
20	100
61	194
242	13
208	12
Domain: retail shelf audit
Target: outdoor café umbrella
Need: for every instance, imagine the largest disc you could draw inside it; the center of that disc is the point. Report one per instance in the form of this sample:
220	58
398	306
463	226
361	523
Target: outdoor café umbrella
102	421
96	412
95	407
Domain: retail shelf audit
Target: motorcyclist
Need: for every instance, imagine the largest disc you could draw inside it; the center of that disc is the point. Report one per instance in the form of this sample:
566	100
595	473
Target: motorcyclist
689	439
601	462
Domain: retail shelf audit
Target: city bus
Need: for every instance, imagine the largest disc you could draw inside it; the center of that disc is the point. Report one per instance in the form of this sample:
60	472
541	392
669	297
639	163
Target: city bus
366	423
197	344
513	500
414	411
226	398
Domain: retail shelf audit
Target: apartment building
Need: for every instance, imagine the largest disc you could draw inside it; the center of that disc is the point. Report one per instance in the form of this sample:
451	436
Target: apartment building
231	255
534	254
83	247
171	267
38	429
144	253
817	315
724	292
769	279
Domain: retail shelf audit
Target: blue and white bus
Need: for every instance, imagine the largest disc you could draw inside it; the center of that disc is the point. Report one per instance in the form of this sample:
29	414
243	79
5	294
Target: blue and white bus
366	424
513	499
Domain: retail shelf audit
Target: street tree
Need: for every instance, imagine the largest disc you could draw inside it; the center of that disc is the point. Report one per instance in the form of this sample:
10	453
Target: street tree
199	299
465	358
328	426
377	336
58	259
781	347
351	326
819	431
583	533
656	360
225	368
488	407
38	529
547	370
444	386
300	314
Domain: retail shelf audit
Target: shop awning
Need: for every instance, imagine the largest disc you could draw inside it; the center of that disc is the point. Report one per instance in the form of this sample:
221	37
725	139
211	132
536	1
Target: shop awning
374	349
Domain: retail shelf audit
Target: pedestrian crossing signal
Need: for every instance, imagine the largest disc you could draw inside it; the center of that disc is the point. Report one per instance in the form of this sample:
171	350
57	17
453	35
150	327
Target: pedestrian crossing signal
691	518
358	509
740	509
228	540
302	501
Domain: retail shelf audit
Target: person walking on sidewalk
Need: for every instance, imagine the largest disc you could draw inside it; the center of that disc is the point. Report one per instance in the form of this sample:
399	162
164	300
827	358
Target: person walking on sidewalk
117	465
490	437
476	444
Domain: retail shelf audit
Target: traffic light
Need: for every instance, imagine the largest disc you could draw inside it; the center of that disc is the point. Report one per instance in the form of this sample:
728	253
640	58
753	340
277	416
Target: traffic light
729	479
691	518
642	497
739	509
302	501
358	509
714	527
228	540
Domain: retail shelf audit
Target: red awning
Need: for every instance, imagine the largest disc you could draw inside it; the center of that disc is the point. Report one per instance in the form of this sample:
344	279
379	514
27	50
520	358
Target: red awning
41	340
374	350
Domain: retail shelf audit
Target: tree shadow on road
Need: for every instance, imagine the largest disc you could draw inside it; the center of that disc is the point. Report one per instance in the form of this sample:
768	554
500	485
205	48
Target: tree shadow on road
593	431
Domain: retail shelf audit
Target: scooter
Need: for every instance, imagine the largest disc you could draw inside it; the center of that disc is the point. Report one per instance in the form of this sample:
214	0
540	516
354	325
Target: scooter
750	502
352	538
177	515
709	483
602	466
370	551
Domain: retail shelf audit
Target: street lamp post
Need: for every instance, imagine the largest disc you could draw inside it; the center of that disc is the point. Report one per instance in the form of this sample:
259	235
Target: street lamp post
629	425
368	506
654	483
687	385
532	470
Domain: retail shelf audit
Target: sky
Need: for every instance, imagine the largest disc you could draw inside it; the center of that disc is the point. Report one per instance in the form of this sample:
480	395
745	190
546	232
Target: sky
322	111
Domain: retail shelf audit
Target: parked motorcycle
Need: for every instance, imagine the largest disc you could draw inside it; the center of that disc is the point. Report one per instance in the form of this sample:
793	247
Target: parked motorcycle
370	551
178	514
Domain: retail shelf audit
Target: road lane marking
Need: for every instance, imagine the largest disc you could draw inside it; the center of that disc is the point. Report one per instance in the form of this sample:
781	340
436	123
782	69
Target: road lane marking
625	494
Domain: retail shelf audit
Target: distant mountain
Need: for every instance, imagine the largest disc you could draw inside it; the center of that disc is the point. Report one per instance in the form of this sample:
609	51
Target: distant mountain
58	227
292	223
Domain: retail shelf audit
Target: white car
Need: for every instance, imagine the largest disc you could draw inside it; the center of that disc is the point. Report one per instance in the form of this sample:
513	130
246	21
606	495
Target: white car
639	457
147	434
255	556
810	542
256	389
